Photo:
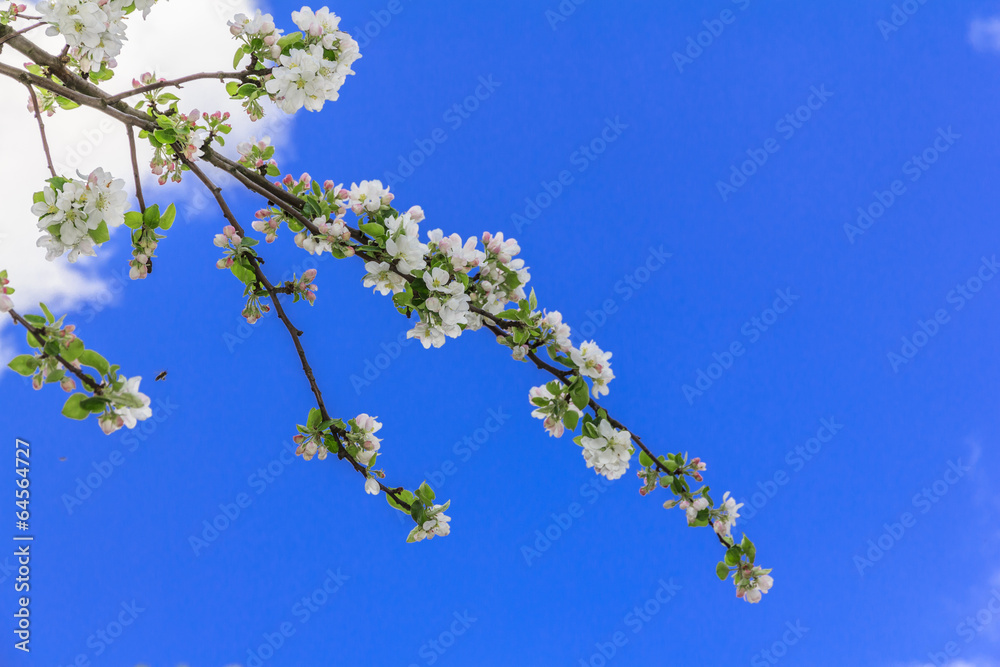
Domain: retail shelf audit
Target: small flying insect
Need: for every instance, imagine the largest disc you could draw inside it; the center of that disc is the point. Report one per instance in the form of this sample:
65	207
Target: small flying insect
149	266
161	376
62	458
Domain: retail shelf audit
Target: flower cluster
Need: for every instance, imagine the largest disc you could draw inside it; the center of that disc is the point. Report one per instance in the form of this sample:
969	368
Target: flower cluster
435	525
304	288
313	64
94	29
75	215
726	515
608	452
552	406
752	583
127	405
258	155
187	132
592	362
257	32
9	15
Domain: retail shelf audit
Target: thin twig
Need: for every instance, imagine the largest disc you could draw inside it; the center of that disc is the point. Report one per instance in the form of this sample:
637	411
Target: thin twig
221	76
41	129
135	168
40	336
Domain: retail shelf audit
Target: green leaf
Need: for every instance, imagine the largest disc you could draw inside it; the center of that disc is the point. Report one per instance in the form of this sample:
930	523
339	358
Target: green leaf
151	218
290	39
749	549
48	313
425	493
246	89
73	409
55	376
578	392
236	62
167	219
37	320
273	171
405	496
315	417
66	104
25	365
570	420
733	556
232	86
74	350
645	460
242	271
165	136
32	340
95	361
133	219
101	234
722	571
95	404
373	229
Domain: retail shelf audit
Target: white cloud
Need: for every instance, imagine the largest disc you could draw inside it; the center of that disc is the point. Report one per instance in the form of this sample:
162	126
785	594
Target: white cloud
984	34
180	37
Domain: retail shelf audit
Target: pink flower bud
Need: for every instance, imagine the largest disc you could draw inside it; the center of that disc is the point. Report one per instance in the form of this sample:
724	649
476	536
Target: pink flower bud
67	384
309	276
288	180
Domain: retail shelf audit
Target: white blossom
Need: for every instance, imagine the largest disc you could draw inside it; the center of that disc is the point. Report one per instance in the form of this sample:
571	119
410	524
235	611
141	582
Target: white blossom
728	513
609	453
70	211
381	276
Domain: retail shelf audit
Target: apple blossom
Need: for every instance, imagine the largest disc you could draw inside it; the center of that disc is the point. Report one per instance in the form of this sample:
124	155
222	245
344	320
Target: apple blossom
608	453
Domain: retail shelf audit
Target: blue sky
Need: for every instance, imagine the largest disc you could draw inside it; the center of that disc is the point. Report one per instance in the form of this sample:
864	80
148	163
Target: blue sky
842	443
